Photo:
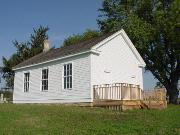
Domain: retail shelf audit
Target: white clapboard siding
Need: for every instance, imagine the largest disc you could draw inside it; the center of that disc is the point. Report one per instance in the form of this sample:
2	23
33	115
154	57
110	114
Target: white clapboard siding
113	60
115	63
81	91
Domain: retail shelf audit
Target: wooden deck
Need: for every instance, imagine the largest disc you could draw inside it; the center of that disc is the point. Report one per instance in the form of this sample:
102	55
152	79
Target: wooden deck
117	91
121	96
118	104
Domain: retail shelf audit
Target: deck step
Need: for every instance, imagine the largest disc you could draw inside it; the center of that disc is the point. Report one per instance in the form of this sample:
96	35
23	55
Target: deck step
144	105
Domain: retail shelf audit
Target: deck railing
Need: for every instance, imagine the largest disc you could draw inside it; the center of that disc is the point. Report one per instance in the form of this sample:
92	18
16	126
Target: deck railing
157	94
117	91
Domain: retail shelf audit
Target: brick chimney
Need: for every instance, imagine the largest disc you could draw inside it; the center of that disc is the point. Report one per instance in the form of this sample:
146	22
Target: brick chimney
46	46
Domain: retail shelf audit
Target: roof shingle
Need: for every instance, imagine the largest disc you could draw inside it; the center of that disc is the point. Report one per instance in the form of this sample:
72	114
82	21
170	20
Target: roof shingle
62	51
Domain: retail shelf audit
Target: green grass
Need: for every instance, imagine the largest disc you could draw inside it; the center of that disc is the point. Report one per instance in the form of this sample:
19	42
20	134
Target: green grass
58	119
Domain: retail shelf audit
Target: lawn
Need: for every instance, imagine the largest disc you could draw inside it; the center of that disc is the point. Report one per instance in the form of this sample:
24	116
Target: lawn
67	120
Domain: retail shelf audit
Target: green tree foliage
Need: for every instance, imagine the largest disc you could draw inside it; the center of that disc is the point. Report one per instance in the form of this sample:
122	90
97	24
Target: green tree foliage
154	28
24	51
88	34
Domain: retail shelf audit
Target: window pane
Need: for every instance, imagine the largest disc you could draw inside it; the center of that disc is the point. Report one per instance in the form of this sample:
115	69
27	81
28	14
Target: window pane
47	73
68	67
64	82
45	87
67	72
70	86
70	79
64	70
67	76
46	82
42	74
67	79
67	85
26	82
70	82
45	79
70	72
28	86
45	76
42	82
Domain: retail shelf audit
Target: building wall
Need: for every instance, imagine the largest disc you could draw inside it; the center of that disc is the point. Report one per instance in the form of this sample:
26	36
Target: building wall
115	63
56	94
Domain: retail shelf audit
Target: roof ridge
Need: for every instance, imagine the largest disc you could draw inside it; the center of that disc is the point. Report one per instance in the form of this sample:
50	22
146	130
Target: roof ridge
62	51
79	42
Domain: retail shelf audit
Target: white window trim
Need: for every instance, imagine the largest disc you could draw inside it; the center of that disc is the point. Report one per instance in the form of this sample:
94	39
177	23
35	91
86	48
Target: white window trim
69	89
41	80
24	82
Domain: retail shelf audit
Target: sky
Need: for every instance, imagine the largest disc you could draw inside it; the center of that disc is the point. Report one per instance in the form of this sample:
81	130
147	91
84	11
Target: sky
63	17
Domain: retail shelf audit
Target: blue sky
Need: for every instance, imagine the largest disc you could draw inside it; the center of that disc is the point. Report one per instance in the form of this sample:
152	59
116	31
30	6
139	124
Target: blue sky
63	17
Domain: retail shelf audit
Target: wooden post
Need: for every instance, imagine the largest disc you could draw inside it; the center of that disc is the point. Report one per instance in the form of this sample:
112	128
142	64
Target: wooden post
102	92
140	93
105	91
118	90
130	91
121	91
112	91
94	94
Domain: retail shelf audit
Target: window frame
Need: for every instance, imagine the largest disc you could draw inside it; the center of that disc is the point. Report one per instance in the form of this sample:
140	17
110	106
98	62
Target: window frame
67	76
25	82
42	79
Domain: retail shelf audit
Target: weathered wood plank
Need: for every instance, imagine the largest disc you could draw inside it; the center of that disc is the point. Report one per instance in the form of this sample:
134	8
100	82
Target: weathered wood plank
117	91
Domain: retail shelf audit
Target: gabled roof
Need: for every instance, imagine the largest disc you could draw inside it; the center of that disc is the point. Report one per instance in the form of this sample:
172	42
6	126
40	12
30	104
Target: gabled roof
78	48
128	42
61	52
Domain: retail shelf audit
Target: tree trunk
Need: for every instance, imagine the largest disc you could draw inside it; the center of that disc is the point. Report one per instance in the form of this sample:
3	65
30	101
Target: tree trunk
173	92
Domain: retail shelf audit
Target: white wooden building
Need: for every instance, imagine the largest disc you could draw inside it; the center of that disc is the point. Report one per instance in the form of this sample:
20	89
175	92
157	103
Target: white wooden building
68	74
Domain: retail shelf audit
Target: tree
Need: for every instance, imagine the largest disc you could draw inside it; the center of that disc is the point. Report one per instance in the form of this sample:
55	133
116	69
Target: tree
25	50
88	34
159	85
154	28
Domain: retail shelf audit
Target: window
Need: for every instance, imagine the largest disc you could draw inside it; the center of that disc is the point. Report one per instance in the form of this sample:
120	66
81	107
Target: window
68	76
44	85
26	82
